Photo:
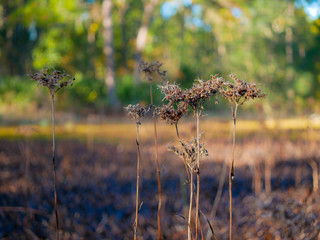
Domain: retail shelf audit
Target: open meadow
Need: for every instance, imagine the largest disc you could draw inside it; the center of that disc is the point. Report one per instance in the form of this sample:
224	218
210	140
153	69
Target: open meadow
275	192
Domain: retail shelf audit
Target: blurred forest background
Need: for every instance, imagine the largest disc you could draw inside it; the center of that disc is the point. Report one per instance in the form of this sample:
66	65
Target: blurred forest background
273	43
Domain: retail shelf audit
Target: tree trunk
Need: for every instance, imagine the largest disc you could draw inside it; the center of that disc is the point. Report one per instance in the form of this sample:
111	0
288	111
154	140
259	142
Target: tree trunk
108	51
143	33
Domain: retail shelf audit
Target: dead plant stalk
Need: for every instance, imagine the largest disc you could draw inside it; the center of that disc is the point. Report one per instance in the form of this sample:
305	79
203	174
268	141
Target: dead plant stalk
231	173
54	167
137	185
153	70
54	80
198	171
136	112
157	165
237	93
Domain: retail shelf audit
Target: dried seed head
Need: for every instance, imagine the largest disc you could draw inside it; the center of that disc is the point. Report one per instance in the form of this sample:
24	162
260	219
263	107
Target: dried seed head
201	91
172	93
188	152
54	80
151	70
136	112
171	115
239	91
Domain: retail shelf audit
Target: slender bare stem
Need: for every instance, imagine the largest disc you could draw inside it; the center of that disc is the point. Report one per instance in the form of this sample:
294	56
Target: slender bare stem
54	170
190	206
231	173
137	187
198	173
177	131
315	178
157	165
184	161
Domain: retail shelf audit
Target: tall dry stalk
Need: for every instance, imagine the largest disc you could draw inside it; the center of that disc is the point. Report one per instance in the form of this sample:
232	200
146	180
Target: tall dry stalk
231	171
54	80
237	93
190	205
137	184
315	174
150	70
178	101
136	112
187	150
195	97
54	167
198	172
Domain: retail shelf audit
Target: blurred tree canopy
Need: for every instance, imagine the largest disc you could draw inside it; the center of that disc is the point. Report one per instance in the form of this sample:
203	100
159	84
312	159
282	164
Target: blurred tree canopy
273	43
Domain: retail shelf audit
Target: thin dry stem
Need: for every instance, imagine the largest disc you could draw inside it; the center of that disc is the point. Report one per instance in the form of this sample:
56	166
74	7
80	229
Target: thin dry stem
198	173
184	161
54	170
54	80
315	174
190	206
137	185
231	173
157	165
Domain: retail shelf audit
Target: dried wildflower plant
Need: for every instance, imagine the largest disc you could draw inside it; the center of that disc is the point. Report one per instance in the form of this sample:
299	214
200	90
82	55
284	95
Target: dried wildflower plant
237	93
171	115
172	93
202	91
151	70
188	152
54	80
136	112
178	102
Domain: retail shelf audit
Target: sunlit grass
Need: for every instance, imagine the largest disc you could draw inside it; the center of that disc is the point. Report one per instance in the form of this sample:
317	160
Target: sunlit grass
123	132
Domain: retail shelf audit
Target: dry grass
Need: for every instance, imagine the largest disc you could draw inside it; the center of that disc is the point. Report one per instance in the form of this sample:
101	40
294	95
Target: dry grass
123	132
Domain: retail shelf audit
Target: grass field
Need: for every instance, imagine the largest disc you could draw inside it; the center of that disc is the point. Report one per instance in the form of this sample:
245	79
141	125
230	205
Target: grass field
96	181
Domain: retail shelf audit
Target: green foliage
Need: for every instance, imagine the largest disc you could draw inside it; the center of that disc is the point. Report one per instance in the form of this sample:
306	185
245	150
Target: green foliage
247	38
128	92
86	94
13	91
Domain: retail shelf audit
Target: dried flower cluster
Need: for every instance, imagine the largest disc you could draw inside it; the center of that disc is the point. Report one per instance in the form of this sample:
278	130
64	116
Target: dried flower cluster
152	69
239	92
201	91
171	115
54	80
136	112
188	152
193	97
172	93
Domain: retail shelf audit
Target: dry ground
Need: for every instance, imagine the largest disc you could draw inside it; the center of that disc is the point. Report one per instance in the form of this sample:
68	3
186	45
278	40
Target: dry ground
96	189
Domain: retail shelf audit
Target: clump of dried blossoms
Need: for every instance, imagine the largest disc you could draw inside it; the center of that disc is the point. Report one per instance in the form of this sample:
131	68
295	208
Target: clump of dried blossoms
193	97
172	93
170	114
152	69
239	92
201	91
188	152
54	80
136	112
